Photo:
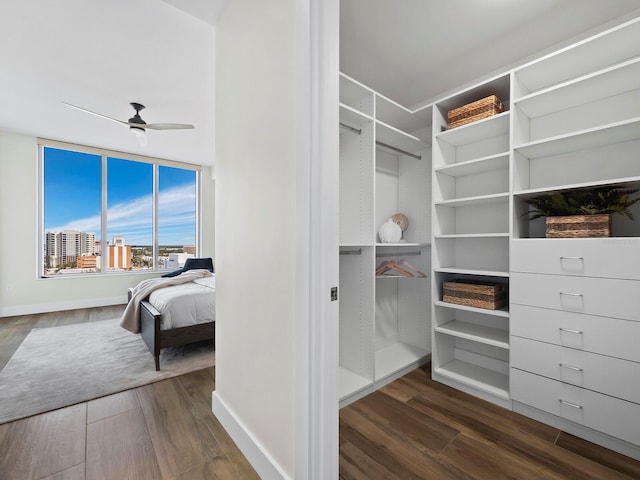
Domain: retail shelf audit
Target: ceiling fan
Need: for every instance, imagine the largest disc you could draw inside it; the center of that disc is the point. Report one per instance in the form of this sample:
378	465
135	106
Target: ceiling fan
137	125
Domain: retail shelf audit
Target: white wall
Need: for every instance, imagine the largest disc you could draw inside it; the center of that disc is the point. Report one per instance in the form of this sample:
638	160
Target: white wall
21	291
256	225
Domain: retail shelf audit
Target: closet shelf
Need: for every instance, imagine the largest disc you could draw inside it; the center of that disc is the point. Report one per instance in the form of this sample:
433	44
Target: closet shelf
353	118
476	166
477	333
351	383
503	312
617	132
583	57
472	271
604	83
397	356
396	138
404	244
476	131
626	182
479	200
477	377
472	235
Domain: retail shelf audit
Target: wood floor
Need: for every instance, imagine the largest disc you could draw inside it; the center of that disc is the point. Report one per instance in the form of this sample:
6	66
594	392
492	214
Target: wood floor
415	428
164	430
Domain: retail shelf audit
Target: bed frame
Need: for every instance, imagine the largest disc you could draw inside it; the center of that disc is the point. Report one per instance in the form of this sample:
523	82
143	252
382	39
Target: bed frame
157	339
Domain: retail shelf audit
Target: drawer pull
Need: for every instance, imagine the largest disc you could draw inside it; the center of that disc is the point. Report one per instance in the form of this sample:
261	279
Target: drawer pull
572	258
571	294
570	367
569	404
570	330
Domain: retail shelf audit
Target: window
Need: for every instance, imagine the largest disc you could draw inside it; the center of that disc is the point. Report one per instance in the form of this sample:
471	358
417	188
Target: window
106	212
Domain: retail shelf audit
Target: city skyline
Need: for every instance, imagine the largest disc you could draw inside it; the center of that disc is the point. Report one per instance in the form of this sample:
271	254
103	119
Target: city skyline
73	198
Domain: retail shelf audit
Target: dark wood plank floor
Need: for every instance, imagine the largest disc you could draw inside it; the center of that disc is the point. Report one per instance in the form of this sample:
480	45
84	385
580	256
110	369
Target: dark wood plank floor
412	428
164	430
415	428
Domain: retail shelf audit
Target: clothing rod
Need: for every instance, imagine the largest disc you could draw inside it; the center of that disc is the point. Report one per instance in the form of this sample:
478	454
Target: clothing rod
351	252
385	145
398	254
350	128
395	149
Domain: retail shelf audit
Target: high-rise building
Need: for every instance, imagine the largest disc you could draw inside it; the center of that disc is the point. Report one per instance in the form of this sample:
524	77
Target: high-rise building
66	246
119	254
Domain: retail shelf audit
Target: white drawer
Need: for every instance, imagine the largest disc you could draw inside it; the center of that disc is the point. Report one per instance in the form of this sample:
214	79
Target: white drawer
615	417
596	296
611	376
608	336
591	257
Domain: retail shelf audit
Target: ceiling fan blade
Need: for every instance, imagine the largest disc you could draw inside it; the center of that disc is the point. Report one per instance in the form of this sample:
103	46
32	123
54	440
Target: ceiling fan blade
94	113
168	126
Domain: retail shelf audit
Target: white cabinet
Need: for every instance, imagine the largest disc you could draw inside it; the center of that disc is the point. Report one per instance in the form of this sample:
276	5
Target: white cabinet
384	169
574	336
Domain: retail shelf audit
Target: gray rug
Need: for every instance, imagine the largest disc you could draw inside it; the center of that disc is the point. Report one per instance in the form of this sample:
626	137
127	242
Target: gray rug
60	366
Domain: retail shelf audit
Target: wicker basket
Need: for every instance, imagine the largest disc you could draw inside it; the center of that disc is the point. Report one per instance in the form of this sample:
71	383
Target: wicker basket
579	226
491	296
483	108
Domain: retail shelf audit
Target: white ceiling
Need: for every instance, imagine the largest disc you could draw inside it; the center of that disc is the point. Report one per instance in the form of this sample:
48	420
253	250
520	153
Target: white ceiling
102	55
416	50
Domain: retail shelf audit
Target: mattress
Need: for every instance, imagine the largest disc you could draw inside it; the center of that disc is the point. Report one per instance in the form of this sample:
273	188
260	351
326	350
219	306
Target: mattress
186	304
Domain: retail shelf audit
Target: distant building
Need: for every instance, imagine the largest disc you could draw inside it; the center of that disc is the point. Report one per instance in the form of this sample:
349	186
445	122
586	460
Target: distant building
119	254
176	260
189	249
67	245
88	261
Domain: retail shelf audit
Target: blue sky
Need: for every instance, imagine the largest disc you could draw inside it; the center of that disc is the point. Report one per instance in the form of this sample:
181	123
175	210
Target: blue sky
72	198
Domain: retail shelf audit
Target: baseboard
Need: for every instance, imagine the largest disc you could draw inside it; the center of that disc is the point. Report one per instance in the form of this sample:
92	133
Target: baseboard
37	308
593	436
266	467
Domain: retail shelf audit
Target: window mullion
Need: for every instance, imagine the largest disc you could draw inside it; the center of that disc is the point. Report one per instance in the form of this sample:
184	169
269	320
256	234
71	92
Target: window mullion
156	189
104	244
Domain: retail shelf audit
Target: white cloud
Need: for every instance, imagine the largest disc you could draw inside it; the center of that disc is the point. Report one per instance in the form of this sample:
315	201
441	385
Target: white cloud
133	219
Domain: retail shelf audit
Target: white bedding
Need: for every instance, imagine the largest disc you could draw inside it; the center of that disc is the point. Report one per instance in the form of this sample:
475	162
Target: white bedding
186	304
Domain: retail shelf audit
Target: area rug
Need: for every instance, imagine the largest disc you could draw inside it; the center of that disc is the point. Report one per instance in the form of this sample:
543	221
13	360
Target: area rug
60	366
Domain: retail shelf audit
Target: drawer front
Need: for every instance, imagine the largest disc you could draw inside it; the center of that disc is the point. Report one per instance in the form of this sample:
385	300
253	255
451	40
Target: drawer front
596	296
607	336
618	418
611	376
591	257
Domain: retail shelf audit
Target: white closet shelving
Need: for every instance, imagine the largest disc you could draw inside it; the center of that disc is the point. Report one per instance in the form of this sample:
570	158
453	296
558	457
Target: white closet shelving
471	194
384	169
576	124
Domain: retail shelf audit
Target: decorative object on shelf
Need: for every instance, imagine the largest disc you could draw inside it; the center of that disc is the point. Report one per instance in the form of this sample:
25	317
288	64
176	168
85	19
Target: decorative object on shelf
491	296
581	213
402	220
390	232
472	112
578	226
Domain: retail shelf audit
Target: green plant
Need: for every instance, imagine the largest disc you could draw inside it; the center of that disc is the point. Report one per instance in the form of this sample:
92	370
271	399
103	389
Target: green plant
596	201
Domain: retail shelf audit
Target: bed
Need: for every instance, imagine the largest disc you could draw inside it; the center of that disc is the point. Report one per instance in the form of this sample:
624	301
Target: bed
172	311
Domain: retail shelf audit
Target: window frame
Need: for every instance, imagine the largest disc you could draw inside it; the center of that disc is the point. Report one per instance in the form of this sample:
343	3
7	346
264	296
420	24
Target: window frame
105	154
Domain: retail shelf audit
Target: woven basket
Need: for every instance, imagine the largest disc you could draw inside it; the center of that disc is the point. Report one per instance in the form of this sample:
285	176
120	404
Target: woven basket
579	226
491	296
483	108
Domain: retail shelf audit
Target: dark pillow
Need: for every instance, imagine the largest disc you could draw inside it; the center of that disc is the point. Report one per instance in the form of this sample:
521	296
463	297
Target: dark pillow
175	273
193	264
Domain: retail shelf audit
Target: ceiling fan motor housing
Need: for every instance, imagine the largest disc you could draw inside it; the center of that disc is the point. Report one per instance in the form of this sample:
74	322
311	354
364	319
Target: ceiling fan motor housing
136	118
